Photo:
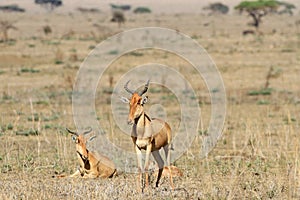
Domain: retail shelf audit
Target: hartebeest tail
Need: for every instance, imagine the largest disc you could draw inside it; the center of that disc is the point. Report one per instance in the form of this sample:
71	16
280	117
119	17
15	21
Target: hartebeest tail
148	134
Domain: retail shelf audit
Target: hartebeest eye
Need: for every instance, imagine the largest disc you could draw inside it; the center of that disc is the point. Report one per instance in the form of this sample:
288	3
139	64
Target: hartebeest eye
74	138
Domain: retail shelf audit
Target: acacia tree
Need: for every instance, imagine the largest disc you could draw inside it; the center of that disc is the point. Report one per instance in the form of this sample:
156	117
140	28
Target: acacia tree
118	16
257	9
49	4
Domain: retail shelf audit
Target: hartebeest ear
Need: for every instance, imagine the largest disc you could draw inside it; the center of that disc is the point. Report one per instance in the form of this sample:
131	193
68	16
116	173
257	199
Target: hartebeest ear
90	139
144	100
93	137
124	100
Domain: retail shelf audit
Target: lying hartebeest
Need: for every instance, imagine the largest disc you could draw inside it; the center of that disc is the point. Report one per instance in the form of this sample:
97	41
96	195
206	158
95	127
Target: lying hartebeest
149	134
92	164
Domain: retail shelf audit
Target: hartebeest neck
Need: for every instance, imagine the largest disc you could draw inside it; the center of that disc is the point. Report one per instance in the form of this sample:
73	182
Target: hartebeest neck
83	157
142	119
142	124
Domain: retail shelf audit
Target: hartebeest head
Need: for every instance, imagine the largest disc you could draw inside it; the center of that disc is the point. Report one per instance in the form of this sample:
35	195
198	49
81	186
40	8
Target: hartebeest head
136	102
80	141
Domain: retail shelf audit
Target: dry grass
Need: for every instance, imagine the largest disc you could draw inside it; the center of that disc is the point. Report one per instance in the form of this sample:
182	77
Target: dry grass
256	158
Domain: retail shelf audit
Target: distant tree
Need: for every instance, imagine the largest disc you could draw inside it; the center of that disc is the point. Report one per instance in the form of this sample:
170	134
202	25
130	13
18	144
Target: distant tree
11	8
47	29
120	7
287	8
118	16
257	9
118	13
5	26
49	4
217	8
142	10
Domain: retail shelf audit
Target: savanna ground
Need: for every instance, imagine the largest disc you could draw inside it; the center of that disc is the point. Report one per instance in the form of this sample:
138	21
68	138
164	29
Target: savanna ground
257	156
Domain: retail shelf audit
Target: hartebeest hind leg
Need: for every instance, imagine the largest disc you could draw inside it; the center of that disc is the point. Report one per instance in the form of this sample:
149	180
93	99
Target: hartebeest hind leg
167	149
160	163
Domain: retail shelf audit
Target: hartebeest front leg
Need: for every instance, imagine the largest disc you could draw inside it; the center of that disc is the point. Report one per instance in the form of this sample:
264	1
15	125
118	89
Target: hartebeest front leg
77	173
148	152
140	167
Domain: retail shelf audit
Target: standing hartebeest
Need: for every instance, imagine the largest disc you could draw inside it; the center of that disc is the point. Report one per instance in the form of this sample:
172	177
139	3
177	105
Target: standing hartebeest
149	134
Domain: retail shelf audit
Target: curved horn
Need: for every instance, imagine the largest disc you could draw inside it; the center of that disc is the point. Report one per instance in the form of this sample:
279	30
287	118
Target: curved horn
72	132
87	131
93	137
145	88
127	89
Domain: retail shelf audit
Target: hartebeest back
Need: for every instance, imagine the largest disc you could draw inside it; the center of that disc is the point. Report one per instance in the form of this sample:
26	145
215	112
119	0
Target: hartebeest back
92	164
149	134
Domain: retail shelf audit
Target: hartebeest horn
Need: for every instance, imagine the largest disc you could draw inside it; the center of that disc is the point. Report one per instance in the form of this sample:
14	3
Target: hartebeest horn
72	132
127	89
87	131
145	88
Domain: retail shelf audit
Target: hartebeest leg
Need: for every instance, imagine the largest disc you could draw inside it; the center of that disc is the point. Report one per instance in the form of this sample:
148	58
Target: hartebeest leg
91	175
167	150
160	163
77	173
148	152
140	167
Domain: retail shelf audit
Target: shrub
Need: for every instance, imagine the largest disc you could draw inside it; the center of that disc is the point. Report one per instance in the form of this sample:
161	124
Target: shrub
142	10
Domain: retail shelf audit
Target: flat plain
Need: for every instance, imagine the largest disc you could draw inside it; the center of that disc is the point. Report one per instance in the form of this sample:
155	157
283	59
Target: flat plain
257	156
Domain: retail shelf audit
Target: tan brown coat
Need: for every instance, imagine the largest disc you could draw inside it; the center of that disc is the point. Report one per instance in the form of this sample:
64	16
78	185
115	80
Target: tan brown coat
92	164
148	134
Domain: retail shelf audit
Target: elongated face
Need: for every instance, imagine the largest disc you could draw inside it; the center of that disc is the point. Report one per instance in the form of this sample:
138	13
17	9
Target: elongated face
80	145
136	102
80	141
136	108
